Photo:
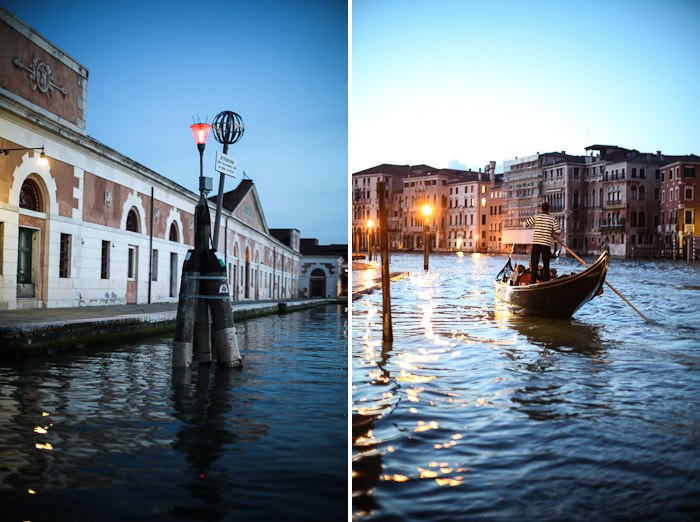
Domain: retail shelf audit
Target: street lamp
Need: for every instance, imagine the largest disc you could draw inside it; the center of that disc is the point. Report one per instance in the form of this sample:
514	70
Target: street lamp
427	211
42	161
370	224
228	129
200	131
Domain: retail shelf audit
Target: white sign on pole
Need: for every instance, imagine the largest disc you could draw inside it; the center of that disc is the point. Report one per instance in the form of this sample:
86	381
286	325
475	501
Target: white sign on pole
225	164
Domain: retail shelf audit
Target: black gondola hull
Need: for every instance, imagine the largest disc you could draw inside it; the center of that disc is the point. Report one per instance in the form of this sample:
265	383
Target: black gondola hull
560	297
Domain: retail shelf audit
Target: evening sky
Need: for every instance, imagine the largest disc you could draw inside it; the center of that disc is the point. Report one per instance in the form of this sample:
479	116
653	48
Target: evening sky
281	65
459	83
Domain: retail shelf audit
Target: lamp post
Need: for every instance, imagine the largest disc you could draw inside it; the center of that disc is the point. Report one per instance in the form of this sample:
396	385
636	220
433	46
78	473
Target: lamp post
427	211
228	129
200	131
42	161
370	224
204	301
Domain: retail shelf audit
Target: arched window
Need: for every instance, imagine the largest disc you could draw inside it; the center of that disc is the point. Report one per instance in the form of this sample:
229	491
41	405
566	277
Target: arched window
642	219
132	221
30	197
173	235
575	199
633	219
633	191
642	193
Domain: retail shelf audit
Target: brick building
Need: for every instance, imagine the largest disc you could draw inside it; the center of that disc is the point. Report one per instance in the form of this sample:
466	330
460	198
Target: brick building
680	204
93	226
466	207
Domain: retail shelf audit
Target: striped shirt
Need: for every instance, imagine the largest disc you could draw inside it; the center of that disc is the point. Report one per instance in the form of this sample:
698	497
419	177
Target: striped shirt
545	227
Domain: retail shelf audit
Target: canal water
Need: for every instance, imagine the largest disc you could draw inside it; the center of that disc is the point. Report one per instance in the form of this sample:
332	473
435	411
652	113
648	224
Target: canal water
476	413
114	434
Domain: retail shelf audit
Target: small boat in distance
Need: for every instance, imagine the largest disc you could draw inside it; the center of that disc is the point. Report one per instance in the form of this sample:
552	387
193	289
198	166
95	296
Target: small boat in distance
558	297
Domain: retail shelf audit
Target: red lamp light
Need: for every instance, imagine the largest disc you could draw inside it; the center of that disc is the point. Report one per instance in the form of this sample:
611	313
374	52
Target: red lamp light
200	131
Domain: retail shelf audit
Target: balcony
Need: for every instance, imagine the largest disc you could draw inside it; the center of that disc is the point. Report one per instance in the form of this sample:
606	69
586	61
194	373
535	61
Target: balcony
615	203
615	227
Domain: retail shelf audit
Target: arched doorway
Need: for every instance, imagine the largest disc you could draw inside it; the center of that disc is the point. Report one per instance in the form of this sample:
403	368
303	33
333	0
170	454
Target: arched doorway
256	279
247	273
31	234
317	283
132	266
234	272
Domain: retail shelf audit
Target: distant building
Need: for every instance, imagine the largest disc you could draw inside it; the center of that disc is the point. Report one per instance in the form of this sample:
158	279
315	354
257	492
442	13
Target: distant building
93	226
679	218
466	208
324	270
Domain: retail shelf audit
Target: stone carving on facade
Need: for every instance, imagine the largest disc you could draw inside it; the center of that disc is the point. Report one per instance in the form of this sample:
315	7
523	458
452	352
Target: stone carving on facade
108	198
40	76
156	213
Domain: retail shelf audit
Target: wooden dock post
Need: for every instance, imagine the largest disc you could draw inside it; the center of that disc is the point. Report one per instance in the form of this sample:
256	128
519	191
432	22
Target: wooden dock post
186	311
387	330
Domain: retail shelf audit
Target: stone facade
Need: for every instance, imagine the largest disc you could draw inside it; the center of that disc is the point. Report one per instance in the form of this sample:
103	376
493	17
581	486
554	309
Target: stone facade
324	270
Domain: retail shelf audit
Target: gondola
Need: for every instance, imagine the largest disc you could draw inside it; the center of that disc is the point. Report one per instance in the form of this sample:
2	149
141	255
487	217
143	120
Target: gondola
558	297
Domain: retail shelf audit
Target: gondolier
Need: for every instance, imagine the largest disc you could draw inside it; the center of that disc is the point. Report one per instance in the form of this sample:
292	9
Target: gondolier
546	228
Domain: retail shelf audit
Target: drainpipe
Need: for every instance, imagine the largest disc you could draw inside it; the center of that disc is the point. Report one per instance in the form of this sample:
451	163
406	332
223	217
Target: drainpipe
150	251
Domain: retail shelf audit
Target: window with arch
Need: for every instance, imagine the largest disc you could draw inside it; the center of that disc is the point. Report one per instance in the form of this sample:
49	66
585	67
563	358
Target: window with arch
173	234
30	196
642	219
575	199
642	193
633	219
132	221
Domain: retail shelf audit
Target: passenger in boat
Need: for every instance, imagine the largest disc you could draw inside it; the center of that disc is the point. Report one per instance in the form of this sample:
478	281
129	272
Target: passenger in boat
514	279
546	229
525	277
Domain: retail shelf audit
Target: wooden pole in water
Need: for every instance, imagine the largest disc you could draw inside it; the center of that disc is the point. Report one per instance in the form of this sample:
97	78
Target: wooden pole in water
387	330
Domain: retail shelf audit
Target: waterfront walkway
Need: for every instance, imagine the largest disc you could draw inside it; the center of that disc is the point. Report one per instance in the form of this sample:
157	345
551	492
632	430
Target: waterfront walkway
44	329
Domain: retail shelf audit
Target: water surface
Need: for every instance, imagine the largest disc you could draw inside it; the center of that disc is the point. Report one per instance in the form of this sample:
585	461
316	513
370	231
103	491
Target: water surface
117	435
477	413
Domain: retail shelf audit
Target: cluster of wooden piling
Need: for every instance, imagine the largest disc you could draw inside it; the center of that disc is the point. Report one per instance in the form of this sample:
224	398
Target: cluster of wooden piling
204	308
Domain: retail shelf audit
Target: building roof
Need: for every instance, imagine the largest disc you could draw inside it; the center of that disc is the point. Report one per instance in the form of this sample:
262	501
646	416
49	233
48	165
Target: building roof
310	247
233	198
400	170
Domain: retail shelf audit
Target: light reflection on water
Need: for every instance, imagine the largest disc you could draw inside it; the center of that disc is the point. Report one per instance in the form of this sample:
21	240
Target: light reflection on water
117	435
476	412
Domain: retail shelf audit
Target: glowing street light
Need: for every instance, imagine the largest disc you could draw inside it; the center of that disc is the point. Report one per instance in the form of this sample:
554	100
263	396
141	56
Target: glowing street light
427	212
42	161
200	131
370	224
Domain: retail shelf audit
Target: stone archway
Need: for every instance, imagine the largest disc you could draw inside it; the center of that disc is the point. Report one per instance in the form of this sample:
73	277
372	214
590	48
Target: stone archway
317	283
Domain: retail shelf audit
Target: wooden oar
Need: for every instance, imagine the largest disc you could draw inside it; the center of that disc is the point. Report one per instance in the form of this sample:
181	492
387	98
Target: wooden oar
611	286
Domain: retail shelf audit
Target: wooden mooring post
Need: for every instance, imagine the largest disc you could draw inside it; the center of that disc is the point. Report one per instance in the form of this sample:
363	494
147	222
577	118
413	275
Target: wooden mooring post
204	301
387	330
